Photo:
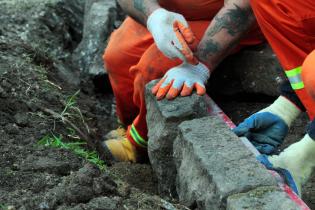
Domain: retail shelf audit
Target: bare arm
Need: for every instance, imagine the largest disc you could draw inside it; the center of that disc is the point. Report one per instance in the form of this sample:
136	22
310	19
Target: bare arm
139	9
225	32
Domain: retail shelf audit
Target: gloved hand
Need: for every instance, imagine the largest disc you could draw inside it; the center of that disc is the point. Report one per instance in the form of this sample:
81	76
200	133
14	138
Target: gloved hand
182	80
298	159
266	131
268	128
163	25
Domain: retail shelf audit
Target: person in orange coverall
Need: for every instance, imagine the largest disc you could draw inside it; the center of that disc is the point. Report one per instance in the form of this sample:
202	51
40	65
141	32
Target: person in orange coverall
289	27
146	47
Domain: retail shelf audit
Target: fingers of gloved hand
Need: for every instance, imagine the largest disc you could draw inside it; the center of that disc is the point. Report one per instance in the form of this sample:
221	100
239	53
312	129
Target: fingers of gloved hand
175	89
172	93
263	120
187	90
171	51
200	88
164	88
241	129
185	31
156	87
263	139
185	50
265	148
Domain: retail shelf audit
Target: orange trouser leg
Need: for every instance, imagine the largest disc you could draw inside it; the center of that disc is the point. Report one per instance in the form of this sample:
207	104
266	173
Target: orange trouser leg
125	48
289	28
153	65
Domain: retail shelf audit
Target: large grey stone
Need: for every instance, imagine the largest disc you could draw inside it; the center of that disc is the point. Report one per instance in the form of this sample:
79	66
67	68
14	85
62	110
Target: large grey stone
212	164
163	118
262	198
249	71
99	22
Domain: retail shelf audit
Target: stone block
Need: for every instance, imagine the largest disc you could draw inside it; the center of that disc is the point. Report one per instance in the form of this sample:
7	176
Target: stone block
262	198
163	118
99	22
212	164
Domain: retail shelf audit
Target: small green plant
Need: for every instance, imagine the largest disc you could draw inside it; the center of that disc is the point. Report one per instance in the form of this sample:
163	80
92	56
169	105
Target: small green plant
3	206
75	147
71	104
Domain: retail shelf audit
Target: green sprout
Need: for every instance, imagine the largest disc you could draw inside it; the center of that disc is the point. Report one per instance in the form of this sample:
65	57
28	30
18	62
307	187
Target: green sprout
71	104
75	147
3	206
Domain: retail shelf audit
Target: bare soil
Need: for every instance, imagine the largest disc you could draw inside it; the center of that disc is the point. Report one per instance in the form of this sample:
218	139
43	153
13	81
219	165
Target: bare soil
36	80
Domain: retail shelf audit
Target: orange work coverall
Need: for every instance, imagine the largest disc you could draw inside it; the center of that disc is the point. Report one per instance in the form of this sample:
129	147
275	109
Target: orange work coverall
289	27
132	60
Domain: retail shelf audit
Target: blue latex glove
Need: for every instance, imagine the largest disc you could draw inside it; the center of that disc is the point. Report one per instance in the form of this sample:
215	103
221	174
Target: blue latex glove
265	130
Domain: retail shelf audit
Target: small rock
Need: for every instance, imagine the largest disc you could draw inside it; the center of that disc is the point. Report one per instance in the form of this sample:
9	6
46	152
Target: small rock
3	93
12	128
104	185
21	118
78	193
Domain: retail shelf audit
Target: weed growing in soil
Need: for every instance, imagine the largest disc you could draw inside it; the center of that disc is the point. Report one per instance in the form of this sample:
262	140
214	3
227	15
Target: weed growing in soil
3	207
70	104
75	147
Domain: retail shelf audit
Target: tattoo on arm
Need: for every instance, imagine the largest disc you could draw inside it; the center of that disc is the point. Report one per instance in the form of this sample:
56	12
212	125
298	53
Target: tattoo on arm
139	5
224	33
234	21
210	47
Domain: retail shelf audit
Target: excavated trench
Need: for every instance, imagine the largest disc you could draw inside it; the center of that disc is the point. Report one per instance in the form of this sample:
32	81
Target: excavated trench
39	98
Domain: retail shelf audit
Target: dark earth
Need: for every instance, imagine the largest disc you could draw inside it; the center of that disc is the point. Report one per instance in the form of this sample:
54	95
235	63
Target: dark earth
37	80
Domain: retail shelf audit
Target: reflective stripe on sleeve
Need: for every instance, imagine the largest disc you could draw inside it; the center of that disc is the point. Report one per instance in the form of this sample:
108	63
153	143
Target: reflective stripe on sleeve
294	76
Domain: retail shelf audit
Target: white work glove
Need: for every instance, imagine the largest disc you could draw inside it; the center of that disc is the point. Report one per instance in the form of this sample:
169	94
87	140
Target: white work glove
283	108
161	25
182	79
298	159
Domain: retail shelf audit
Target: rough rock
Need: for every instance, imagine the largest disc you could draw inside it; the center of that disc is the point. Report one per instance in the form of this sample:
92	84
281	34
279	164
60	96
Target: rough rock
249	71
263	198
212	164
163	119
99	22
65	17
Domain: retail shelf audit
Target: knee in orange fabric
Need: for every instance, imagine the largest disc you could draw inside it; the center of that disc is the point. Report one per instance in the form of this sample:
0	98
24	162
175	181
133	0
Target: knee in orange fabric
112	57
308	74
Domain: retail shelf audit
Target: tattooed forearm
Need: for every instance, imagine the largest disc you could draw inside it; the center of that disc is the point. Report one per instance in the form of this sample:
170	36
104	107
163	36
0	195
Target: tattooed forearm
210	47
139	5
235	20
225	31
139	9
